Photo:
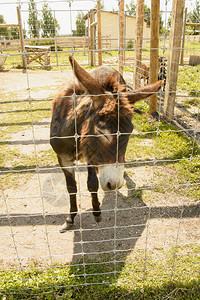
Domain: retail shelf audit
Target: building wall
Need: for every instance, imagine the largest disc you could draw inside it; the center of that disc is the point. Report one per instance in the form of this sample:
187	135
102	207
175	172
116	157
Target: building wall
131	28
110	29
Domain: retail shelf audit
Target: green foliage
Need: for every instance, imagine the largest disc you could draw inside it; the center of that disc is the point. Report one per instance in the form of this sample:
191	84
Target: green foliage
42	42
147	18
107	281
193	17
14	32
188	80
192	102
169	21
102	6
3	30
166	142
33	22
80	24
49	25
131	8
147	15
169	142
50	43
130	44
141	277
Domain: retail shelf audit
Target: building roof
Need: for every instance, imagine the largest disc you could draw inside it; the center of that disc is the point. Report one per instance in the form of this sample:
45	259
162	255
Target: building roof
106	11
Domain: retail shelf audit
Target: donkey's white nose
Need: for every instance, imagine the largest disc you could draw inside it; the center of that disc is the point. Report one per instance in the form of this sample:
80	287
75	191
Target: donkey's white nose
111	177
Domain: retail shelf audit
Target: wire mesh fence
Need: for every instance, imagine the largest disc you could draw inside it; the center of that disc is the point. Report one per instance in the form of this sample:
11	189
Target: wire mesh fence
149	232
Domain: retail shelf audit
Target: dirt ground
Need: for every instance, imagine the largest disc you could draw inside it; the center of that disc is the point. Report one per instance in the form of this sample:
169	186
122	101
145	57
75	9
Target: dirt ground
32	212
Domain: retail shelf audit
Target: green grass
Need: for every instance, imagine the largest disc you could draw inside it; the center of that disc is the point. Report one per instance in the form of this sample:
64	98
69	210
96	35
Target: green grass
179	155
164	142
15	60
152	277
156	274
188	80
192	102
18	117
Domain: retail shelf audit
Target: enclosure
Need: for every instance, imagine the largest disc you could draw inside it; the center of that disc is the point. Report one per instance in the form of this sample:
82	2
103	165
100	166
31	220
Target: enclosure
147	244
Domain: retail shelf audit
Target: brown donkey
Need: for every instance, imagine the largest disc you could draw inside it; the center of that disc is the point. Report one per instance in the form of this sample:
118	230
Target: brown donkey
91	120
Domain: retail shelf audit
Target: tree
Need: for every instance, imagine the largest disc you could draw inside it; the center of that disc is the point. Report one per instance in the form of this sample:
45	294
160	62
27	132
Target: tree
193	17
102	6
48	23
161	27
14	33
3	30
80	24
33	22
147	15
169	21
131	8
147	18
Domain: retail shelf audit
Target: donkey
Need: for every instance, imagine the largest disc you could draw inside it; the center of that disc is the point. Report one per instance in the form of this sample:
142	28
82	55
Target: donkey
91	120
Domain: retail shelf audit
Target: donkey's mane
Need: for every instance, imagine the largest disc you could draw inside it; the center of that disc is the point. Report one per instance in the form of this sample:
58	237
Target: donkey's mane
111	106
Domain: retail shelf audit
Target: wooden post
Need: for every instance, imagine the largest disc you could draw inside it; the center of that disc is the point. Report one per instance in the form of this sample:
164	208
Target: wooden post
91	38
138	42
99	31
9	25
107	42
21	38
55	39
84	45
173	58
121	36
154	46
88	36
183	38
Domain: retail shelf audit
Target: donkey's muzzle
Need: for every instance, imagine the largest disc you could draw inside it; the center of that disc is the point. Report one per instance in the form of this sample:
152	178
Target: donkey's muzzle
111	177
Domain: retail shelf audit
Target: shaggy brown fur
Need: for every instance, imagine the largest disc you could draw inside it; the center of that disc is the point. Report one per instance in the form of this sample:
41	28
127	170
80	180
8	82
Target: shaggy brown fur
91	119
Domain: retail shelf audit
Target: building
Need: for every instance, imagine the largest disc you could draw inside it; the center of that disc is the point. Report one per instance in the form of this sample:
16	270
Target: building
110	28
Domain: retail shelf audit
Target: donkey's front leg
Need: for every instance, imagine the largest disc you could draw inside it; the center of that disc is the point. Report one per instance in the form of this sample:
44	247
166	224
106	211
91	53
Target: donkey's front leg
72	190
93	186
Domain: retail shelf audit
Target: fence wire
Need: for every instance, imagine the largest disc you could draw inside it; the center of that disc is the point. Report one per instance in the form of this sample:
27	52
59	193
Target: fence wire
150	227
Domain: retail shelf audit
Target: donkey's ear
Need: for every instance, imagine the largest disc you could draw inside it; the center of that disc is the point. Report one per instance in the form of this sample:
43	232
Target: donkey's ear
90	84
143	92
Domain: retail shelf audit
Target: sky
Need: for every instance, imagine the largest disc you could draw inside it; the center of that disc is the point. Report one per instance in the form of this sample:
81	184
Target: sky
65	18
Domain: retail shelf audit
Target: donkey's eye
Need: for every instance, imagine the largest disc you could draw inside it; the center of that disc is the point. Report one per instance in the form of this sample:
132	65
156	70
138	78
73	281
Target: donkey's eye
105	134
101	124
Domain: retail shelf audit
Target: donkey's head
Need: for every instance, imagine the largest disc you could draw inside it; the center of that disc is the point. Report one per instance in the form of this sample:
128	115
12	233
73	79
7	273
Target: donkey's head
107	126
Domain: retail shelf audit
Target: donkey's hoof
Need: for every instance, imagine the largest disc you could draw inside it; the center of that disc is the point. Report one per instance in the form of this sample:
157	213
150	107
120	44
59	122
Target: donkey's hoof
66	226
98	218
